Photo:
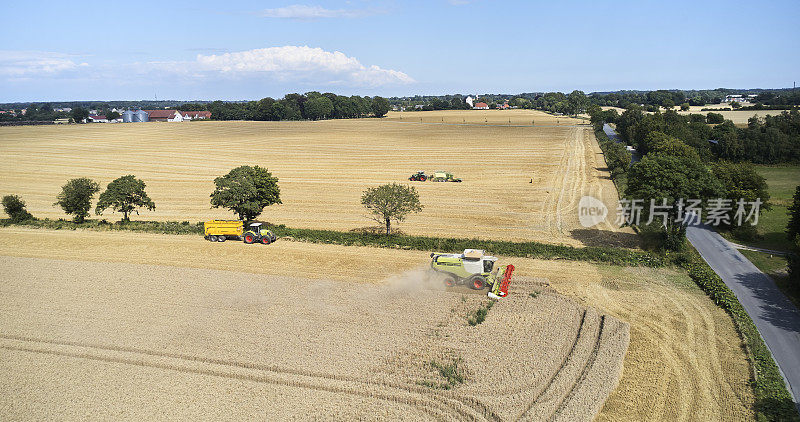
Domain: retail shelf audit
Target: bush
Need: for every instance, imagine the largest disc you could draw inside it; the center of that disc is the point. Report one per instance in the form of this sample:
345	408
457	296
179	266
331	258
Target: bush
14	206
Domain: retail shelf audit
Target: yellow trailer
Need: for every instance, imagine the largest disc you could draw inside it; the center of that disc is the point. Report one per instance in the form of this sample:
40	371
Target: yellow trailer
221	230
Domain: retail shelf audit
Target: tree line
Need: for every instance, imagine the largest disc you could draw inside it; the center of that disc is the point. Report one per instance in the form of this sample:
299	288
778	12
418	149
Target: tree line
308	106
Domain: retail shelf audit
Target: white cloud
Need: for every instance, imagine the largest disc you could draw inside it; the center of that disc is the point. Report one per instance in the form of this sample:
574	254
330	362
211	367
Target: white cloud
301	63
31	63
300	11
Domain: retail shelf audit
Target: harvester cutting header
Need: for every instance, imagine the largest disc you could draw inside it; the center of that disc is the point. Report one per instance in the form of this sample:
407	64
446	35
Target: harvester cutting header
475	269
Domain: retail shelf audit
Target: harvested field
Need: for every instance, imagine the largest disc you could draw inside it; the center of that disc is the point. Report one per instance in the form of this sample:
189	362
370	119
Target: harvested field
361	350
684	360
324	167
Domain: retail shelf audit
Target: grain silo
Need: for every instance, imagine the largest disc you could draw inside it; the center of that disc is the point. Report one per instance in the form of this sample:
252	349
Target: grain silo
128	116
142	116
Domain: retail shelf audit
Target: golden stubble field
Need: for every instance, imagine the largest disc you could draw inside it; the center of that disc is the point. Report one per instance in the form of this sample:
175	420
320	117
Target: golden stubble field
134	294
520	183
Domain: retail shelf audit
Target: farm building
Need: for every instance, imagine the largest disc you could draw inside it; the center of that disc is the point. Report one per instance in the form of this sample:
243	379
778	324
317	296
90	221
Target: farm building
164	115
481	106
98	118
196	115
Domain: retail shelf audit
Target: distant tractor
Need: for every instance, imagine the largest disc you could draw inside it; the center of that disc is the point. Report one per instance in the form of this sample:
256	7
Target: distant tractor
443	176
222	230
419	176
475	269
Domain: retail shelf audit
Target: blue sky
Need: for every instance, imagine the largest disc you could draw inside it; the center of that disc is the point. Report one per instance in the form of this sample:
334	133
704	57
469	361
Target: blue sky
251	49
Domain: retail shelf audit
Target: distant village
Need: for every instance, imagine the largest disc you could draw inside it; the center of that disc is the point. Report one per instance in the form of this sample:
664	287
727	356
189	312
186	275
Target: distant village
123	116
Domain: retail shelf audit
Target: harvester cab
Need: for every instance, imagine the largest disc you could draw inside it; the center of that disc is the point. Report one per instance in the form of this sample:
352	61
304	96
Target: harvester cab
256	233
474	268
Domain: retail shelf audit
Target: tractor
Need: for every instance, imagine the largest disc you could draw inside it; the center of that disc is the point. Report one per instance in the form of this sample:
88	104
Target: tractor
256	234
419	176
222	230
443	176
475	269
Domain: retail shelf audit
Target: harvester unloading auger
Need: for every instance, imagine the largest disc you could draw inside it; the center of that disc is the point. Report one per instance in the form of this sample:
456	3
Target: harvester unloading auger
475	269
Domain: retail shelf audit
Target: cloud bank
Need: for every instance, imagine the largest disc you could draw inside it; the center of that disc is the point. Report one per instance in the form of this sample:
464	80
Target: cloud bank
17	64
303	12
301	63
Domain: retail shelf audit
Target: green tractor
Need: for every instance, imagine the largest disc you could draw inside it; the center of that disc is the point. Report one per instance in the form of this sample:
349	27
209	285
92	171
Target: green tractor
444	176
475	269
255	234
419	176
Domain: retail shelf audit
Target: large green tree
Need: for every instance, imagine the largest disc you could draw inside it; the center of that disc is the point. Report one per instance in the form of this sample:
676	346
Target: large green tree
318	108
391	202
380	106
14	206
670	179
76	197
246	190
79	114
126	195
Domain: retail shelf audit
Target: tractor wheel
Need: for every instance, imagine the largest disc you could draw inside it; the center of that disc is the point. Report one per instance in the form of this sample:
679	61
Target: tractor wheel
249	238
449	281
212	238
265	240
221	238
477	282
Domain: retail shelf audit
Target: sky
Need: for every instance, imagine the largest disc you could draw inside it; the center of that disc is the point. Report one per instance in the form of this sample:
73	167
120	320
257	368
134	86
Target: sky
241	50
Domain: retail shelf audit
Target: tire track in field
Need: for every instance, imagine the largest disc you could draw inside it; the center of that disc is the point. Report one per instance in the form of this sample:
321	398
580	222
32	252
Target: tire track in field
441	401
584	373
548	389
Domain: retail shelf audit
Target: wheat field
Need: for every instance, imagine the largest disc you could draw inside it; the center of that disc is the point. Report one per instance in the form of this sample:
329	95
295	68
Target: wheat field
684	359
520	182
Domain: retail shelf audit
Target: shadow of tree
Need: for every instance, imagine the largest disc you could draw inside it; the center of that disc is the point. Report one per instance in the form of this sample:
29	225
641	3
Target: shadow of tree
596	237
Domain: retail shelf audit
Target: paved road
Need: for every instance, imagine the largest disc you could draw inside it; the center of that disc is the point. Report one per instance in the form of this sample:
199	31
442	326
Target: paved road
612	134
776	318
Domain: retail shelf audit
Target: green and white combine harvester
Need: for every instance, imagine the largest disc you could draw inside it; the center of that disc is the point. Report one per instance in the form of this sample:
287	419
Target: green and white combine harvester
475	269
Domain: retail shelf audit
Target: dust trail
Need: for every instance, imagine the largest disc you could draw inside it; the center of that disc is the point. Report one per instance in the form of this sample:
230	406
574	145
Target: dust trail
415	280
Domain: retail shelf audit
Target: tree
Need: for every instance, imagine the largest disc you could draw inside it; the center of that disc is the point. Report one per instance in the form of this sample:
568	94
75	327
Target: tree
793	228
735	105
380	106
793	232
391	202
14	206
741	181
246	190
685	107
318	108
714	118
76	197
79	114
576	102
125	195
112	115
670	178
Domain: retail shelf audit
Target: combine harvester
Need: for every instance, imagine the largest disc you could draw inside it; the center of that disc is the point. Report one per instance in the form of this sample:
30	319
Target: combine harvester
222	230
474	268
